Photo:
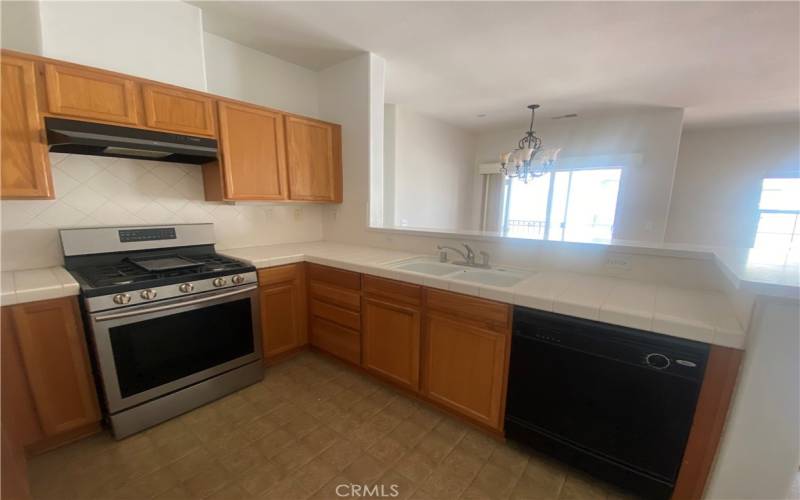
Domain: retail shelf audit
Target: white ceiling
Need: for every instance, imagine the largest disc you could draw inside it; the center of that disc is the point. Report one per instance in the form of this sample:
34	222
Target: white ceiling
723	62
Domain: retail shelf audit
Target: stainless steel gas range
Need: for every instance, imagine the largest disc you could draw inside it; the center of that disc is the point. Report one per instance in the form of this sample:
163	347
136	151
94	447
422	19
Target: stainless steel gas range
173	325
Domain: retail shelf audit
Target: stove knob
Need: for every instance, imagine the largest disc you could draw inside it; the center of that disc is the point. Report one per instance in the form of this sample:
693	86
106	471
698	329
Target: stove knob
237	279
218	282
148	294
121	298
657	361
186	287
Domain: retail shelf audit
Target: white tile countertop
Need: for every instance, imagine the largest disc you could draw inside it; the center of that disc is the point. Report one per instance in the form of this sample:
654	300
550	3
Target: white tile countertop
768	271
705	316
31	285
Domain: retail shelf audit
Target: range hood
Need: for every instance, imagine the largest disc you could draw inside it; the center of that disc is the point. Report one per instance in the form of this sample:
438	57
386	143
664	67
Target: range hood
95	139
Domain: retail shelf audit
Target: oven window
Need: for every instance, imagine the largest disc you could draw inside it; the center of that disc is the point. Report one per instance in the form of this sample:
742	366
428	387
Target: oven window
157	351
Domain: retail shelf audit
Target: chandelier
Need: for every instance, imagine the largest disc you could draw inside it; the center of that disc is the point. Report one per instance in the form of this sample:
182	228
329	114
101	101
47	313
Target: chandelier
521	162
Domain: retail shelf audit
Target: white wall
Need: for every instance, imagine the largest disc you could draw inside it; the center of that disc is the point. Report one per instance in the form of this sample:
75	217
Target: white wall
644	194
433	173
159	40
760	450
718	181
240	72
20	27
97	191
344	98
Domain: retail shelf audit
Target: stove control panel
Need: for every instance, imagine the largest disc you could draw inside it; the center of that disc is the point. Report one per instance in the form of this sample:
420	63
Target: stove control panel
148	234
158	293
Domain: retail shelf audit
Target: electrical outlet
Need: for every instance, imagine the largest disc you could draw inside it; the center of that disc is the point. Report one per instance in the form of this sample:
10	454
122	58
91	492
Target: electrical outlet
298	214
618	262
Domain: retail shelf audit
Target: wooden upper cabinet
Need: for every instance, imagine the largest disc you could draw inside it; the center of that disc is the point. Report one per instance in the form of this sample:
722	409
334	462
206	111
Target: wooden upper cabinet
465	368
25	165
176	110
90	94
54	355
253	155
313	152
391	341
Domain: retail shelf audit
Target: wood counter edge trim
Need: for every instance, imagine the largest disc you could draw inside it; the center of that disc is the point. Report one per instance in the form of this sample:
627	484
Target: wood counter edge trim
710	416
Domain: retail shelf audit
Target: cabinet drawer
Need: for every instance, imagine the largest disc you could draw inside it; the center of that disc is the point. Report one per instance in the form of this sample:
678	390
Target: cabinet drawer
86	93
335	295
281	274
397	290
336	314
337	340
333	276
493	314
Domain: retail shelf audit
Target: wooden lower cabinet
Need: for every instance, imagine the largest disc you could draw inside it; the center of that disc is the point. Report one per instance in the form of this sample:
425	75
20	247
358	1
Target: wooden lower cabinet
335	297
337	340
391	341
283	309
47	387
465	368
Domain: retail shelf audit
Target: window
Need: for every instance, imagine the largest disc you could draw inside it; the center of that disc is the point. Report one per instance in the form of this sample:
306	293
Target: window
779	215
566	205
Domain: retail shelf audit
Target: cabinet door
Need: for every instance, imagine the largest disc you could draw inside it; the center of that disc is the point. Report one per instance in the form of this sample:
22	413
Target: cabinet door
281	316
391	338
18	408
25	167
253	156
313	151
176	110
85	93
54	354
465	368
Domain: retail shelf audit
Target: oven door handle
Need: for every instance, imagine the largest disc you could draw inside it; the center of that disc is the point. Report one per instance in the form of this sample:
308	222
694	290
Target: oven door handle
140	312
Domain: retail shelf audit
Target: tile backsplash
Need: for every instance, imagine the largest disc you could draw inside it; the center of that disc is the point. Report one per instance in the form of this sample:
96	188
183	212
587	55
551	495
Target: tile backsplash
101	191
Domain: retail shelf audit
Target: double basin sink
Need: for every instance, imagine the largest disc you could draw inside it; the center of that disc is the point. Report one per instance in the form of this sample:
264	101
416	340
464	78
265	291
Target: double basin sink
495	276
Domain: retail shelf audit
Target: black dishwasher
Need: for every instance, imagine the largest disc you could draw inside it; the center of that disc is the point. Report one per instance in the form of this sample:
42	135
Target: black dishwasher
613	401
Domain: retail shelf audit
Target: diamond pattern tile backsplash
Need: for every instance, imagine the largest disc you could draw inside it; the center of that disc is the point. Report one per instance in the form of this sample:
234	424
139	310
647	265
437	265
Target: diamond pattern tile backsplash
100	191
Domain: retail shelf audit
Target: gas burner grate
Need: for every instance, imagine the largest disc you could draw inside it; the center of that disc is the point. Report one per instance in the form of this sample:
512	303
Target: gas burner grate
125	272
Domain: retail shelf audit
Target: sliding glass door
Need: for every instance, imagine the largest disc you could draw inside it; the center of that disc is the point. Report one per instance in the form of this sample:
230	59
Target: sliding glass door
566	205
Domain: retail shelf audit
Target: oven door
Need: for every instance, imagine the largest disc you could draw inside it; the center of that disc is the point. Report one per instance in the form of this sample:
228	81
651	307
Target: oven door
147	351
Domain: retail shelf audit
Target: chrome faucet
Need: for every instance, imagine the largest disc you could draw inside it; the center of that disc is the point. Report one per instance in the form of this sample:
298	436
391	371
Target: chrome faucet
468	256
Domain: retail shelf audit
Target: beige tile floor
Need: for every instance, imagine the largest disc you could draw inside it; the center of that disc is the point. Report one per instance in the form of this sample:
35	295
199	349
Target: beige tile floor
311	425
